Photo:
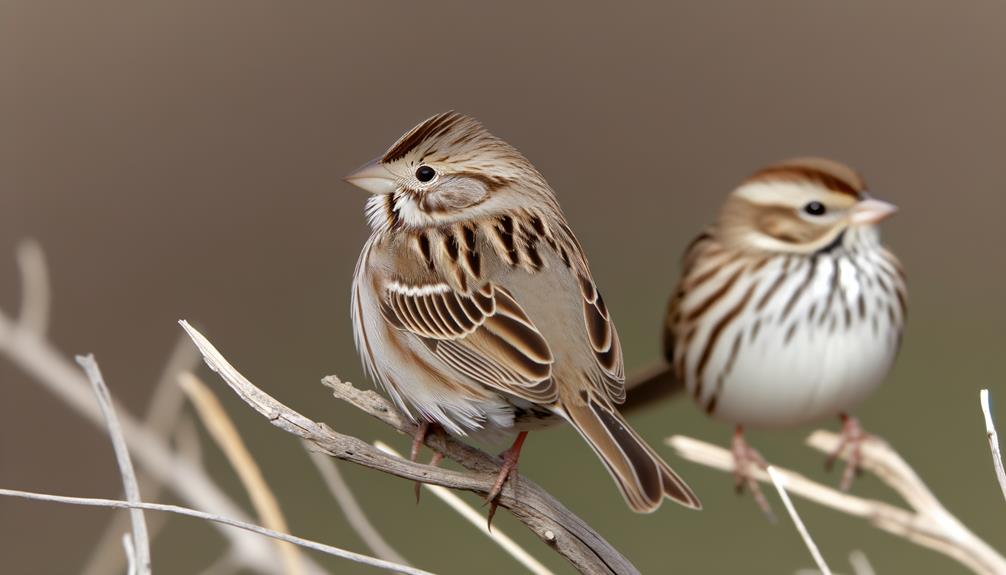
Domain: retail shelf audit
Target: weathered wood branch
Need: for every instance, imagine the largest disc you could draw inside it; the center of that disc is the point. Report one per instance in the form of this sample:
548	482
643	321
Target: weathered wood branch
555	525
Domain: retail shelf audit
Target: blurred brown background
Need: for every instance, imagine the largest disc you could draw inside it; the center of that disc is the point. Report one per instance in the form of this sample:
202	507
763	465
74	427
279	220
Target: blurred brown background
184	159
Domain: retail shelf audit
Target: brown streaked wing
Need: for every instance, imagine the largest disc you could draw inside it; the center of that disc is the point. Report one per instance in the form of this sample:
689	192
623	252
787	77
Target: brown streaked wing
485	335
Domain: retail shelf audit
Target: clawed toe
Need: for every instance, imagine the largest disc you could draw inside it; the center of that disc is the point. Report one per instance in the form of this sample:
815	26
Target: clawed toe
851	444
418	439
745	457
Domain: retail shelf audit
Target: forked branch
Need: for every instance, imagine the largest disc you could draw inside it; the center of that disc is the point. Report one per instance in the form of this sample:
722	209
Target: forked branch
559	528
926	522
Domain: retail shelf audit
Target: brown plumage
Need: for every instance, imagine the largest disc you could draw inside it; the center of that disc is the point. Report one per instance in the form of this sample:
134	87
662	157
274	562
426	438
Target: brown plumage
474	306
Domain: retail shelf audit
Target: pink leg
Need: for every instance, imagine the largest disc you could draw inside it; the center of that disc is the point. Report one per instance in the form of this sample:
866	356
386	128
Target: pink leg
507	470
744	457
418	439
852	439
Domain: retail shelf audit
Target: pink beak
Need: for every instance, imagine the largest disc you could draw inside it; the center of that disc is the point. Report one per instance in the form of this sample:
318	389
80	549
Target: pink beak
871	211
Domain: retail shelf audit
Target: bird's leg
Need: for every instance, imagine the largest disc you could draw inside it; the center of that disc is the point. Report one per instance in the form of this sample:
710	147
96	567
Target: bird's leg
851	439
507	470
418	439
744	457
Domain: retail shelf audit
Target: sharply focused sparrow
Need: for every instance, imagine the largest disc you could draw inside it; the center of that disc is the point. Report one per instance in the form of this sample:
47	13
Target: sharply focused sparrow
475	310
789	309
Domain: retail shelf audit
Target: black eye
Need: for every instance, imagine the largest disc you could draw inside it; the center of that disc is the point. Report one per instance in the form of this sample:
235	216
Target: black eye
815	209
425	173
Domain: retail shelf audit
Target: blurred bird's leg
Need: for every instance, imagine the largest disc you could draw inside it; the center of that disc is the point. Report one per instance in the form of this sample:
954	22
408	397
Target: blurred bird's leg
507	470
852	439
744	457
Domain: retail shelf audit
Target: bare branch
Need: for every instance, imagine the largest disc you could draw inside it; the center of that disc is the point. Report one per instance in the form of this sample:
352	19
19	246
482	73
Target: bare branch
355	515
162	417
36	300
990	431
306	543
140	540
533	506
780	485
130	549
929	524
475	518
226	435
39	359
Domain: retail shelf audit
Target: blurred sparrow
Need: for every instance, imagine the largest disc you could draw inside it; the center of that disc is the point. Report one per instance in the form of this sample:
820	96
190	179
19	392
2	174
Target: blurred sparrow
788	309
475	310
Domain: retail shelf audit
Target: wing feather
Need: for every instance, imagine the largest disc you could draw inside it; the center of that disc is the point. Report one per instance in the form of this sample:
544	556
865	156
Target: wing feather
485	335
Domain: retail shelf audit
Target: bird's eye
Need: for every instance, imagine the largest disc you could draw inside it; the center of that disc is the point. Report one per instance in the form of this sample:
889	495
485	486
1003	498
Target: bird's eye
815	209
425	173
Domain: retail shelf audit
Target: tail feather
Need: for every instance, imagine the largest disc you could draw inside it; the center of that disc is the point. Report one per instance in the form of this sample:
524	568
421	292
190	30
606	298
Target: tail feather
641	475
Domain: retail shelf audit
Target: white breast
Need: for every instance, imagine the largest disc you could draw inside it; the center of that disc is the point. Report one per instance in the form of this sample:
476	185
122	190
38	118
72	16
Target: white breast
813	345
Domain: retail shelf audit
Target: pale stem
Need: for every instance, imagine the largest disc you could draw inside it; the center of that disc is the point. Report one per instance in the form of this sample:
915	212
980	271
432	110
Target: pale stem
990	431
306	543
141	541
780	485
225	434
355	515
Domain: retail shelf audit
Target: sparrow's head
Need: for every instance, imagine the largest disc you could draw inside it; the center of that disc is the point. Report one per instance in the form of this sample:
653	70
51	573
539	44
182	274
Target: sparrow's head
800	206
447	168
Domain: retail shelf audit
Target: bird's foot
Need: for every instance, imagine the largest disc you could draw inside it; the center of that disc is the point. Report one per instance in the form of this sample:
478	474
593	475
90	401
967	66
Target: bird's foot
508	470
745	457
418	439
850	442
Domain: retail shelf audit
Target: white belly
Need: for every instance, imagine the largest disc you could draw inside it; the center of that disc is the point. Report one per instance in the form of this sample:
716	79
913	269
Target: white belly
791	360
816	375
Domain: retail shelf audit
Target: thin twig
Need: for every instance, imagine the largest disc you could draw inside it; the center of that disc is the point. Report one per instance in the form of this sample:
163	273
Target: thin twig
860	563
49	368
566	533
36	299
162	418
928	524
990	431
780	485
350	507
141	541
306	543
130	549
475	518
225	434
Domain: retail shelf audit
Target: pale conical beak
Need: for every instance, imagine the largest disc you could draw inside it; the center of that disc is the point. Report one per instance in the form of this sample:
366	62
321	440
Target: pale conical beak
374	178
871	211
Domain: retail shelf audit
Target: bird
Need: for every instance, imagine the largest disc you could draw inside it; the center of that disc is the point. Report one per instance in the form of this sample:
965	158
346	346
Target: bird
475	310
789	309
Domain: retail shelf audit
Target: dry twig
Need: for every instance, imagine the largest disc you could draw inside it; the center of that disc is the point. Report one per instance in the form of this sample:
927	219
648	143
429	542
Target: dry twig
251	527
780	485
140	557
478	521
539	511
162	418
355	515
36	356
990	431
226	436
928	523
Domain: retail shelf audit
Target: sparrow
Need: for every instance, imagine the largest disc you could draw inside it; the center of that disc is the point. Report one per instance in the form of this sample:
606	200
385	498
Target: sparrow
475	310
789	309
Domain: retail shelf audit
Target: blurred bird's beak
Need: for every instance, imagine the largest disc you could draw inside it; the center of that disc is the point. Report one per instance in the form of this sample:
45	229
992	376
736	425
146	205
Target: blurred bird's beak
374	178
871	211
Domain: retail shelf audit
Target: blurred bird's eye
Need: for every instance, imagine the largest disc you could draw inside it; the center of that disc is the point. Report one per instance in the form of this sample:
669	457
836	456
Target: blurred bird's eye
815	209
425	173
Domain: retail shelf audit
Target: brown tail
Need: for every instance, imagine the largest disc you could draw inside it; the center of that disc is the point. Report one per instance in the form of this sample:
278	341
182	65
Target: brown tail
640	473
